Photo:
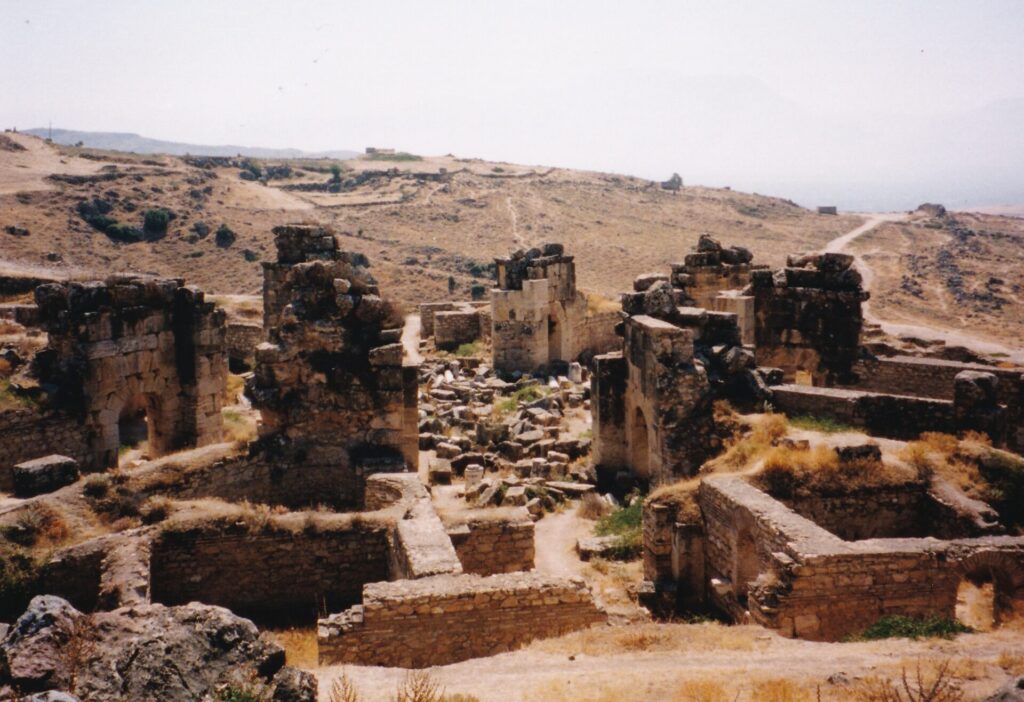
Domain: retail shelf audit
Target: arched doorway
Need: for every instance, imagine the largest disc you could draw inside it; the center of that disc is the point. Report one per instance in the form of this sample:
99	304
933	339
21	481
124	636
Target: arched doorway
554	340
976	603
746	564
639	447
135	430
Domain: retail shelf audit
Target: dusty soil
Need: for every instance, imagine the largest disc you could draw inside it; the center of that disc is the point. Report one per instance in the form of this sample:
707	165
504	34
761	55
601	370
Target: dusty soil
656	661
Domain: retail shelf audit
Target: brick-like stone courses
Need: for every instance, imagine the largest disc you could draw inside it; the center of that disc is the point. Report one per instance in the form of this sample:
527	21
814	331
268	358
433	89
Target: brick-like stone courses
271	571
242	340
824	588
487	545
32	432
128	344
711	270
536	311
456	327
330	382
445	619
892	416
808	317
936	378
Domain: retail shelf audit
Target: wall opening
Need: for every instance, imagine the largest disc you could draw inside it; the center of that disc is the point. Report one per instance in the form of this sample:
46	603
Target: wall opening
640	451
976	603
134	430
746	564
803	377
554	340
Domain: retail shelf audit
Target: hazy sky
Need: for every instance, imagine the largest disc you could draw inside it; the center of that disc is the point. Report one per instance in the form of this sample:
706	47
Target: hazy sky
864	104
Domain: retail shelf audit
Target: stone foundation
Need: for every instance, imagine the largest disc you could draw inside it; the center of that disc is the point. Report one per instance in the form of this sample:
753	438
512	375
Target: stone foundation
29	433
488	544
446	619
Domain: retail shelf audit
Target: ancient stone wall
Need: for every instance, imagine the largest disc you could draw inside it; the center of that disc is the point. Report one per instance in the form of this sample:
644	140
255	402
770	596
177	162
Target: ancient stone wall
456	327
538	317
487	544
128	345
892	416
794	576
275	570
32	432
330	381
446	619
242	340
808	317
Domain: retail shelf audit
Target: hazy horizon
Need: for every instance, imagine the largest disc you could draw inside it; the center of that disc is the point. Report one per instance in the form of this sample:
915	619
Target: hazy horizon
873	106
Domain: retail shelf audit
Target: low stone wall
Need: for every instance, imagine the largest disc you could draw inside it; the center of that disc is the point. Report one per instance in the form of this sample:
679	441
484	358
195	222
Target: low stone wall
287	569
456	327
26	434
891	416
595	335
493	543
794	576
446	619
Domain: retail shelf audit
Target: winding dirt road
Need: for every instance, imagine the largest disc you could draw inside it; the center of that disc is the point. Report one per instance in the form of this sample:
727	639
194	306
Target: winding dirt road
951	337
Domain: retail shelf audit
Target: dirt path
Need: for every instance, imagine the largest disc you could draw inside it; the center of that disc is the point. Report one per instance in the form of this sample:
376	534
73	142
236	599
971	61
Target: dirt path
556	535
519	241
411	339
951	337
603	664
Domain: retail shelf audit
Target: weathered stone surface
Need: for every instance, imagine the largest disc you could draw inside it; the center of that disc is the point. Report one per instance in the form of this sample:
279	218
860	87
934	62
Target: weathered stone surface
44	475
148	653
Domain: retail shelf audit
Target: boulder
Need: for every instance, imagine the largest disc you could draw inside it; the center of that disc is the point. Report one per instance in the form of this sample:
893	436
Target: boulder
44	475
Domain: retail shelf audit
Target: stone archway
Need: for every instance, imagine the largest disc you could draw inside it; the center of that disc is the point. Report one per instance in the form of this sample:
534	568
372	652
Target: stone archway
555	332
639	445
990	590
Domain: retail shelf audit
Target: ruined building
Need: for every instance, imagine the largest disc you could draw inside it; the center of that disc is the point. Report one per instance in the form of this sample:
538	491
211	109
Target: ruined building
337	403
808	318
539	317
652	401
122	351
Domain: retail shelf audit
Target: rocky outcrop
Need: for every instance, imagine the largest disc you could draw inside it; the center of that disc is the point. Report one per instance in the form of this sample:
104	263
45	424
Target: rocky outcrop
144	653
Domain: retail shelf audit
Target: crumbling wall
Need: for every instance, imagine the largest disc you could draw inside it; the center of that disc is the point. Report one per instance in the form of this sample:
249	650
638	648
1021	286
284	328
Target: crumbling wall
493	543
792	575
538	317
278	570
242	340
133	343
808	317
29	433
446	619
330	381
456	327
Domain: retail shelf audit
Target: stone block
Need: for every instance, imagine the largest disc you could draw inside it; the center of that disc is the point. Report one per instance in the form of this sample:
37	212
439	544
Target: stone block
44	475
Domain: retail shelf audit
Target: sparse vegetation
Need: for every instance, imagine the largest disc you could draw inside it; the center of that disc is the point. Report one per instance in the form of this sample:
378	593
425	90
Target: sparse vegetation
942	685
624	523
898	626
19	570
399	156
791	471
39	524
593	506
825	425
224	237
154	222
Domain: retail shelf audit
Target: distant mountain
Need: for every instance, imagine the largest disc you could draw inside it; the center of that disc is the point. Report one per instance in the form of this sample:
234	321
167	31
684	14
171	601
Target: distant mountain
118	141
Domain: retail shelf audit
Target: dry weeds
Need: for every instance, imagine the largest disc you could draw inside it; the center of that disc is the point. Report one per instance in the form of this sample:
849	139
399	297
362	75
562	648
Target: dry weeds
592	506
299	644
676	638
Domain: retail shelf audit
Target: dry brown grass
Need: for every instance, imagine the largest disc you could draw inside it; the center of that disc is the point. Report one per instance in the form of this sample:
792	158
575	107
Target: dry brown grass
702	691
343	690
234	388
299	644
767	432
926	681
780	690
1012	663
675	638
788	471
239	427
682	496
593	506
599	304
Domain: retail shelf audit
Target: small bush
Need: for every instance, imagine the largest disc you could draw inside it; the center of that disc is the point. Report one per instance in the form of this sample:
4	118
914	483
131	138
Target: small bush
400	156
250	255
155	509
624	523
467	350
943	684
343	690
224	237
124	233
593	506
19	572
40	523
154	222
898	626
96	485
418	686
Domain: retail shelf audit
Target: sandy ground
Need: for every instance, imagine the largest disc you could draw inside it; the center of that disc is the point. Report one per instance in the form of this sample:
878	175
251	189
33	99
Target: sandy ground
598	665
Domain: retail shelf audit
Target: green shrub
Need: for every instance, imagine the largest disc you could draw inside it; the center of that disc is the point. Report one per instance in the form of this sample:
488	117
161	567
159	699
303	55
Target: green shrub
224	236
124	233
250	255
335	173
96	485
898	626
624	523
523	395
1004	473
154	222
470	349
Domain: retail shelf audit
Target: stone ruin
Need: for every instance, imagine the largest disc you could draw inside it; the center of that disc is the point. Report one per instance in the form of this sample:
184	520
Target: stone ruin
336	400
452	324
808	317
119	349
539	318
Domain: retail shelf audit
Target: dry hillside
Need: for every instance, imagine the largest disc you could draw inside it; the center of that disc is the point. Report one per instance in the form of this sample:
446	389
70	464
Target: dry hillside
417	229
